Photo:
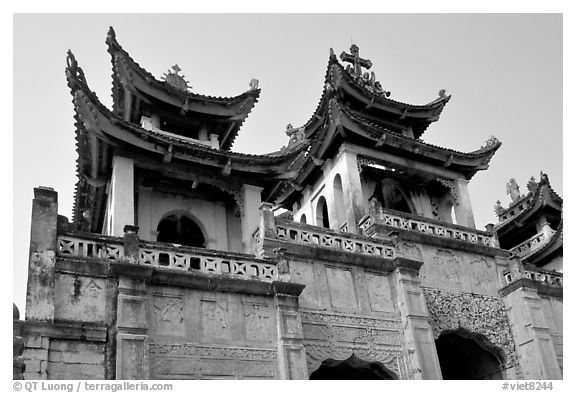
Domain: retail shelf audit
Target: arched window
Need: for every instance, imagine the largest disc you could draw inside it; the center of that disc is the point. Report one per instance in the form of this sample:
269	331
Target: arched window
339	201
303	219
322	219
393	197
179	229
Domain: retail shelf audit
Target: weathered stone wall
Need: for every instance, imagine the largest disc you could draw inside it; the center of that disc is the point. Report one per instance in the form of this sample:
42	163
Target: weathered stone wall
197	334
71	359
348	309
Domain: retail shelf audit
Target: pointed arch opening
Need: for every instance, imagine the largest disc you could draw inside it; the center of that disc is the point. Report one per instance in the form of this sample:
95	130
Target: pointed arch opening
352	368
322	219
469	356
303	219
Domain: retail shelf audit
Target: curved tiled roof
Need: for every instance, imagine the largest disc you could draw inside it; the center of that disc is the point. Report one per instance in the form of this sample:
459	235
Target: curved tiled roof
244	102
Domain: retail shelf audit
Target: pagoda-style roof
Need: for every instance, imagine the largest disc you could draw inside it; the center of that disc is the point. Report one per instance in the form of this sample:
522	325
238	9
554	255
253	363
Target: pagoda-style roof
131	82
342	125
550	250
100	131
540	200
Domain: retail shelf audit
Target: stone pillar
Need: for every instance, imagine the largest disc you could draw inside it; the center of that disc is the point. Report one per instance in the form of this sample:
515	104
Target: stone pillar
132	327
352	188
43	238
131	243
422	359
463	206
250	215
291	353
532	338
122	193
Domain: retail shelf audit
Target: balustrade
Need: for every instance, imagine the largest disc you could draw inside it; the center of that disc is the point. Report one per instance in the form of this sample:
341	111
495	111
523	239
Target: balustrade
551	278
534	243
307	234
171	257
448	231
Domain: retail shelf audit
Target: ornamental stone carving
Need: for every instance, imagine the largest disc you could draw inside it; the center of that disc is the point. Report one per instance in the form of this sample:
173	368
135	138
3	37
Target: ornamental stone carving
479	314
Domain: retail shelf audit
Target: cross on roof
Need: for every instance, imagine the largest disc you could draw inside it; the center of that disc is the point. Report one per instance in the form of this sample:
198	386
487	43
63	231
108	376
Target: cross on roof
356	60
176	68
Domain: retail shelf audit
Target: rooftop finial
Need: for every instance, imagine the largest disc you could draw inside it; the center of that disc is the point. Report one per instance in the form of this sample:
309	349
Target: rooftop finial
176	80
368	80
532	185
513	190
111	32
356	60
253	84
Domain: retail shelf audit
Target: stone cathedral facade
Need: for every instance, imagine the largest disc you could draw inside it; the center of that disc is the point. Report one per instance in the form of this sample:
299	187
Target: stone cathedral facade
351	253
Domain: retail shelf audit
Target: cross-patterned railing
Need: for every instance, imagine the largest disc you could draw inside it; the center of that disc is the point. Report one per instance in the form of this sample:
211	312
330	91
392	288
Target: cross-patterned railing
308	234
534	243
168	256
551	278
431	227
104	248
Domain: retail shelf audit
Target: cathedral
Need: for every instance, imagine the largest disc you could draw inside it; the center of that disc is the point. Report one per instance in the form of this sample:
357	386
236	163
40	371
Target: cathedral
350	253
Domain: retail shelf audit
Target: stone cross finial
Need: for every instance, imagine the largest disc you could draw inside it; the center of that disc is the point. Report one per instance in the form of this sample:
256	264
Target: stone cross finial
176	68
356	60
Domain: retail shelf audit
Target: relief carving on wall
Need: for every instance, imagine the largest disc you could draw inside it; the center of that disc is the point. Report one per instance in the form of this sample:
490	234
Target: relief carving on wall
168	315
379	292
192	361
448	267
482	273
337	336
215	319
479	314
257	317
409	250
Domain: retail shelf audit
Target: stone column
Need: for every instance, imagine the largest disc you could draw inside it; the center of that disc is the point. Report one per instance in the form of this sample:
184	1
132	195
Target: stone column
250	214
132	330
121	210
463	206
422	359
43	238
291	353
352	188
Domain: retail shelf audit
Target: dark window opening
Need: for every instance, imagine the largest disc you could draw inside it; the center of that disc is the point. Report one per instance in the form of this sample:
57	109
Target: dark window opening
180	229
352	368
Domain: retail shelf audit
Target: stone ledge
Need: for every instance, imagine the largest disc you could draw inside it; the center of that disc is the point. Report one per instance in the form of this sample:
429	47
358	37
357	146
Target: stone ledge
64	330
541	288
436	240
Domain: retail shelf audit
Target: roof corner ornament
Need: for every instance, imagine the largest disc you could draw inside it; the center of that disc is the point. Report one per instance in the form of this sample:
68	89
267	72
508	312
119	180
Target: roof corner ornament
368	80
544	178
532	185
111	33
491	142
296	135
442	93
513	190
498	209
176	80
72	66
254	84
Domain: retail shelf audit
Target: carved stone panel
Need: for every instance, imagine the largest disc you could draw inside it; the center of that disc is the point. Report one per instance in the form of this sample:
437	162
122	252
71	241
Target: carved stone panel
379	293
193	361
445	270
303	273
80	298
479	314
483	275
341	286
257	321
132	357
131	311
215	319
168	316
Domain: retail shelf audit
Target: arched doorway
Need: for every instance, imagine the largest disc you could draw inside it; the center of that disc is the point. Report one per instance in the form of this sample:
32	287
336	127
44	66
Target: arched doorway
464	355
352	368
180	229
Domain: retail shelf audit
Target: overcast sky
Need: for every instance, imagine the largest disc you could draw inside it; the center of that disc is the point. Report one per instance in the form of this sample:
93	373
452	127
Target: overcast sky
504	73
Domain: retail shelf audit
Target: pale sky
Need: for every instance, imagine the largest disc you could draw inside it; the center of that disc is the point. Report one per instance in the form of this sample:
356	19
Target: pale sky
504	73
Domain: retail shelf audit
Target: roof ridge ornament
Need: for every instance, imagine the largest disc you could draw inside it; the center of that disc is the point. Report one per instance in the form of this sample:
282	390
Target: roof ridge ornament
367	80
176	80
74	68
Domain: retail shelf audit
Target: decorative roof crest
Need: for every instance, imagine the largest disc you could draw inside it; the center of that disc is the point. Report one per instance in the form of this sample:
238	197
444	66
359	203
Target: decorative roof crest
254	84
296	134
498	209
532	185
490	141
513	190
368	80
176	80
